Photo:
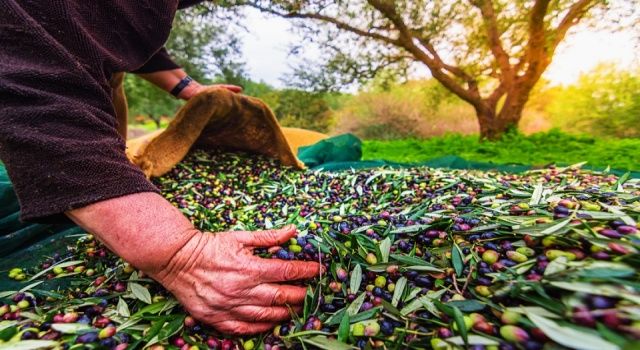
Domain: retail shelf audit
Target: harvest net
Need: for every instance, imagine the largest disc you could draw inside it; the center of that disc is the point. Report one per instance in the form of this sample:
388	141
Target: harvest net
416	258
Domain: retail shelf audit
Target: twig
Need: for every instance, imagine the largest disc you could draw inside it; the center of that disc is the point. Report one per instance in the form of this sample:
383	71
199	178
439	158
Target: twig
466	283
455	284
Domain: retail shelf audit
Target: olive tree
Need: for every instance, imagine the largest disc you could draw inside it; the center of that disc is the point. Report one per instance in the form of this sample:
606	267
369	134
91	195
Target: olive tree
490	53
205	45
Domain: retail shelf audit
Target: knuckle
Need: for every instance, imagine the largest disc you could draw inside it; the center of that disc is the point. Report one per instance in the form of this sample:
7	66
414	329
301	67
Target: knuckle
279	298
225	327
261	314
272	236
241	329
289	271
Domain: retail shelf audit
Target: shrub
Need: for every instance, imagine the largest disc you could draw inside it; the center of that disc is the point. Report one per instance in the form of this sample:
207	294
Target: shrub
536	149
303	109
605	102
416	109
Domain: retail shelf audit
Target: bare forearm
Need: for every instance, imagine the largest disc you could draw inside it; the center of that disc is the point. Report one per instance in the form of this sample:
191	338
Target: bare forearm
216	277
168	79
143	228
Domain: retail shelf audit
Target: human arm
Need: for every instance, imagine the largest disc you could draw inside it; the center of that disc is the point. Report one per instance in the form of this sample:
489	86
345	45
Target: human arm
215	276
163	72
168	79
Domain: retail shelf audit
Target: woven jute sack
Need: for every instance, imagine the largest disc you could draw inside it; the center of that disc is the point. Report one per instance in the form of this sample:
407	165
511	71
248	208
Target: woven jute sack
219	119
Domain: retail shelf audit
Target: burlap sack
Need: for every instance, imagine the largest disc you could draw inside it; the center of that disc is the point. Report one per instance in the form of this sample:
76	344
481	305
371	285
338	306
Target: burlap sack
218	118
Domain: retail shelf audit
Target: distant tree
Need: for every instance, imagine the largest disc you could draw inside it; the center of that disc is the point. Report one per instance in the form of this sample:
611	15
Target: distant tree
303	109
604	102
205	45
147	100
490	53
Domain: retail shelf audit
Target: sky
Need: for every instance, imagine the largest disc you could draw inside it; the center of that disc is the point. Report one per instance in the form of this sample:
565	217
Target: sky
266	45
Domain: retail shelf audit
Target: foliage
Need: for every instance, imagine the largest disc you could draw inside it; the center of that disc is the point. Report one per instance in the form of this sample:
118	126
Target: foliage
147	102
413	259
204	47
537	149
414	109
303	109
488	53
605	102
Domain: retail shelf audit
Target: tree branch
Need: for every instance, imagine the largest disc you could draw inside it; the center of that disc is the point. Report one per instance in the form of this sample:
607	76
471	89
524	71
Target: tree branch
535	57
434	63
493	34
327	19
457	71
573	16
496	95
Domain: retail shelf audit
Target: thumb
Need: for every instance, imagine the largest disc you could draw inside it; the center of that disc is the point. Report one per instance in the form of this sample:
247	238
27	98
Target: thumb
266	238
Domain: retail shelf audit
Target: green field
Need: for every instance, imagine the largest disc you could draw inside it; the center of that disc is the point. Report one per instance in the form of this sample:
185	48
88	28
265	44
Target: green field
536	149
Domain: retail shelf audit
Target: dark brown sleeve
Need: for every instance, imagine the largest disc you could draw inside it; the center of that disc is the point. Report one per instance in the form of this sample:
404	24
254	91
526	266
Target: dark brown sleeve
58	137
159	62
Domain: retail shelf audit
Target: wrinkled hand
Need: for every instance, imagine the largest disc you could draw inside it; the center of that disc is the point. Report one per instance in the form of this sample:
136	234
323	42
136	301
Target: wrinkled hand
219	281
195	88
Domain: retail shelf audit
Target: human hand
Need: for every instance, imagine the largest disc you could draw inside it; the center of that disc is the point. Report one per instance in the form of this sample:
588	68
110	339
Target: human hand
195	88
219	281
168	79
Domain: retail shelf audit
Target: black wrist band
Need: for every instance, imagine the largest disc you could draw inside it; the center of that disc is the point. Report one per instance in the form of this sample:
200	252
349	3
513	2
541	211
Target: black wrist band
181	85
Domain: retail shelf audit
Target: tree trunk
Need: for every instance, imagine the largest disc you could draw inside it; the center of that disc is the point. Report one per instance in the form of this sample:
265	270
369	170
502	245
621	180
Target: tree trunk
491	127
492	124
156	120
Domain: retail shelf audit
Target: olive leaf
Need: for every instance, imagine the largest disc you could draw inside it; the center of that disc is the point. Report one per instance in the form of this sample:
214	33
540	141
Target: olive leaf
356	278
424	268
7	293
409	260
533	310
168	330
385	249
343	330
152	332
356	304
397	293
425	301
365	315
457	259
30	345
557	265
409	229
140	292
537	195
8	329
123	308
470	305
602	289
555	228
611	336
61	264
323	342
571	337
29	287
606	269
621	180
70	328
458	318
472	339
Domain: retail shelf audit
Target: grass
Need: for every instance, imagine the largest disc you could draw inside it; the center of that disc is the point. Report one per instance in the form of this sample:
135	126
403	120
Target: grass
536	149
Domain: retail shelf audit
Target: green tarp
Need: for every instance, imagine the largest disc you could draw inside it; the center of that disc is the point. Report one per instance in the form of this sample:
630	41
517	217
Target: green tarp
26	244
344	152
